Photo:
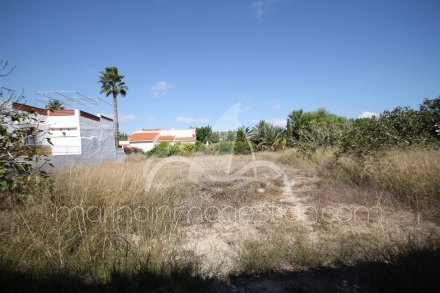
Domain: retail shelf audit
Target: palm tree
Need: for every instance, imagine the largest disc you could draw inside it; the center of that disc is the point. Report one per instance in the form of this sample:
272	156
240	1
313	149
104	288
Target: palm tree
243	133
54	105
297	121
112	84
268	136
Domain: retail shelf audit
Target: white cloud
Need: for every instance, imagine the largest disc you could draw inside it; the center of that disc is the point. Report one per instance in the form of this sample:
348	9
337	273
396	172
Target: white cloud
160	89
151	118
276	106
258	8
368	115
278	122
126	117
191	120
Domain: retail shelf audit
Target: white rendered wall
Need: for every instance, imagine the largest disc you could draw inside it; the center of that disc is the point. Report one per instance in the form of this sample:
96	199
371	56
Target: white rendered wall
178	132
66	141
145	146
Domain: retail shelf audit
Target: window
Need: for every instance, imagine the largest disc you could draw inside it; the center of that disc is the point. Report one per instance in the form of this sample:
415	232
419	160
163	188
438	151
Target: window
30	140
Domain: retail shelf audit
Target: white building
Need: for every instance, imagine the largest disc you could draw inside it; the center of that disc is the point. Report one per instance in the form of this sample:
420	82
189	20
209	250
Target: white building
146	139
75	135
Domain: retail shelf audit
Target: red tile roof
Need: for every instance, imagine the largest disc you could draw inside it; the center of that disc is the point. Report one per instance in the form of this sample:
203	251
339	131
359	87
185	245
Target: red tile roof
152	129
192	138
141	136
27	108
165	138
61	112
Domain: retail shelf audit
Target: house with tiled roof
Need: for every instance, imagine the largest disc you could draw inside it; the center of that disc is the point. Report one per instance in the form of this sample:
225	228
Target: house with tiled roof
146	139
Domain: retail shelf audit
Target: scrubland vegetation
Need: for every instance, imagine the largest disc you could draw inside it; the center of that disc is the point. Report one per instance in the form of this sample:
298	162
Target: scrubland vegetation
327	204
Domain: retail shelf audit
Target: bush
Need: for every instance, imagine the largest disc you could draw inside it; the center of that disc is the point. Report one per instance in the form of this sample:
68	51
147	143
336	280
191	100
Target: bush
187	148
399	127
18	160
200	146
175	149
224	147
242	148
160	150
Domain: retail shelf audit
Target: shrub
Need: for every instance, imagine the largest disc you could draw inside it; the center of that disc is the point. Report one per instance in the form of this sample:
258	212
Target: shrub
160	150
187	148
175	149
224	147
242	148
200	146
399	127
17	160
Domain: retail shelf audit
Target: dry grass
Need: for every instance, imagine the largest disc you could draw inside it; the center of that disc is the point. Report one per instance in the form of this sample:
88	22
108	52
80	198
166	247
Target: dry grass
410	174
97	220
100	226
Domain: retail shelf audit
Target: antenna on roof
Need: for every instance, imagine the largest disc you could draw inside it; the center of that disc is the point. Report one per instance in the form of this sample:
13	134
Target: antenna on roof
72	99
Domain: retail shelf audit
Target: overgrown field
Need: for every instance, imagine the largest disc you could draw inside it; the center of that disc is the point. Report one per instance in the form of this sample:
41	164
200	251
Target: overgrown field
267	221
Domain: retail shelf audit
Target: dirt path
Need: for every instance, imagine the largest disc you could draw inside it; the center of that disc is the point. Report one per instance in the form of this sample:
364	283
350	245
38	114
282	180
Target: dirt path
217	244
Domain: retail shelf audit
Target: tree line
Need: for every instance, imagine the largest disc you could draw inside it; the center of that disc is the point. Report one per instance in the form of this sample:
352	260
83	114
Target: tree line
309	131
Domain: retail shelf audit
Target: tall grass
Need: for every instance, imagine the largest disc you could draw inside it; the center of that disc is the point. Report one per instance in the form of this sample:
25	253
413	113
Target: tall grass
97	226
410	174
96	222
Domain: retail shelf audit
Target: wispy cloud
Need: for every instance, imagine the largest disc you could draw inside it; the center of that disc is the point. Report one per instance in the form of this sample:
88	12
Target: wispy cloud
187	120
257	6
151	118
368	115
160	89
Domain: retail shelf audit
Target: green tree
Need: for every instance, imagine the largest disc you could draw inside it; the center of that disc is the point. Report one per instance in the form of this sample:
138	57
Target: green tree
112	84
54	105
297	121
123	136
308	131
268	136
243	134
204	133
17	172
401	126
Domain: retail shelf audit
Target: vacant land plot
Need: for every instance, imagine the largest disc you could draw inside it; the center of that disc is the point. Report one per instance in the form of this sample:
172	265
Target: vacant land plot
257	222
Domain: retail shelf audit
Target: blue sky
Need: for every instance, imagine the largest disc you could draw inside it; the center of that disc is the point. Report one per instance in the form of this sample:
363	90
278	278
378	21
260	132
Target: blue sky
187	62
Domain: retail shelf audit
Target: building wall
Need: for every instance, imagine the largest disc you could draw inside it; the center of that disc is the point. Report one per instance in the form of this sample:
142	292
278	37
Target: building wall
178	132
145	146
97	138
64	135
76	138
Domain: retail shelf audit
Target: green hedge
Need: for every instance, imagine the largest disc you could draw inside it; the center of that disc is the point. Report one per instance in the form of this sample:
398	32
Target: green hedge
165	149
